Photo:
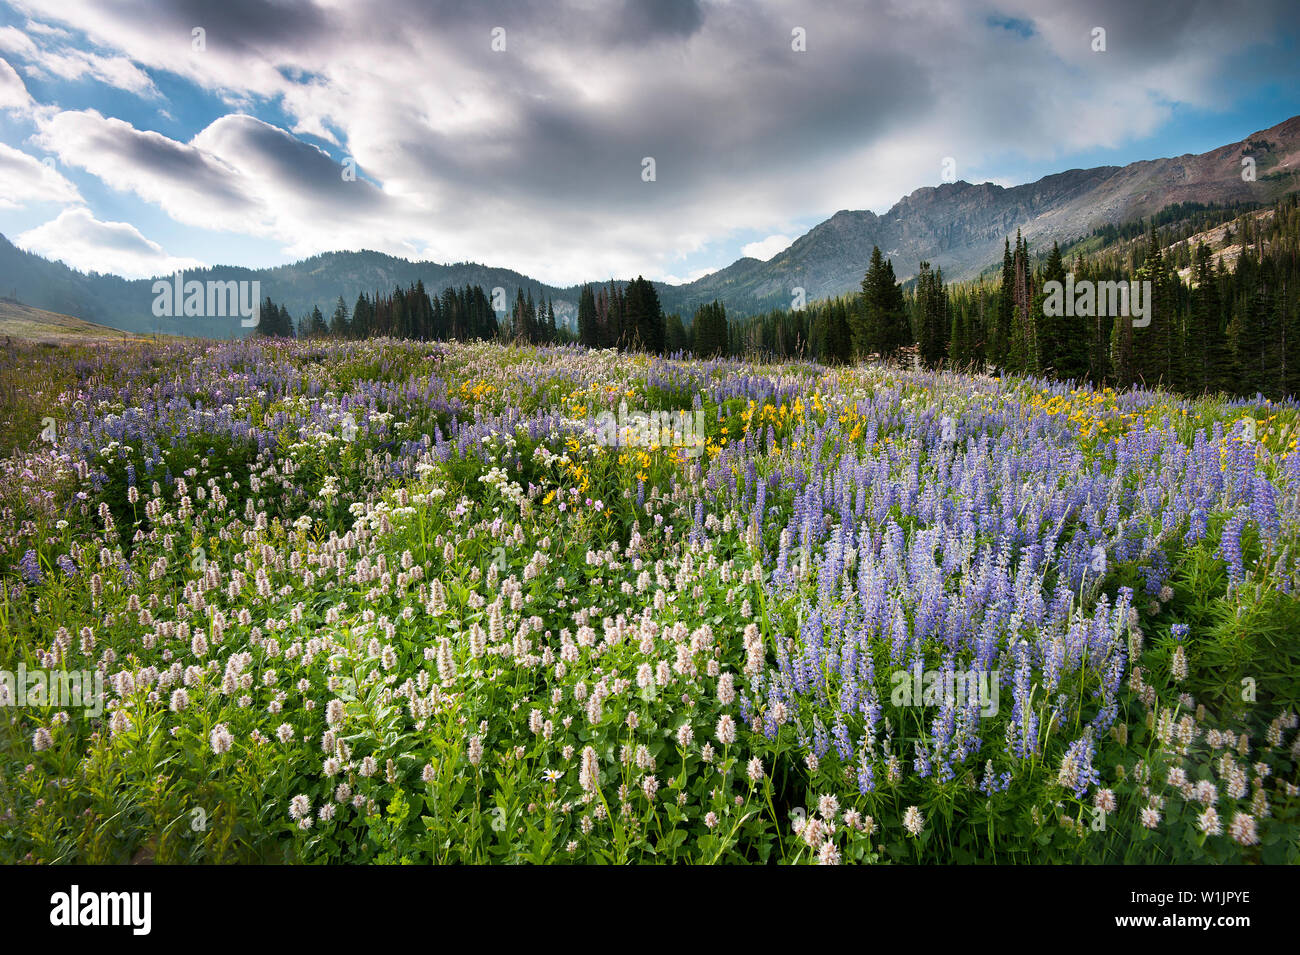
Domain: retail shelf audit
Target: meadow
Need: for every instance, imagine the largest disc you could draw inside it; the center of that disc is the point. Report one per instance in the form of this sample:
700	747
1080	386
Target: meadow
389	602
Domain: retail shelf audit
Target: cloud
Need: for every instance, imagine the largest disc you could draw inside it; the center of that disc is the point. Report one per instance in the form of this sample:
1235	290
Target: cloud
532	156
74	64
241	175
115	71
13	40
44	29
25	179
83	242
764	249
189	184
13	92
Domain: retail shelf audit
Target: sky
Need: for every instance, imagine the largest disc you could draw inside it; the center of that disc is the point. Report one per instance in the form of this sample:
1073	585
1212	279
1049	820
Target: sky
578	140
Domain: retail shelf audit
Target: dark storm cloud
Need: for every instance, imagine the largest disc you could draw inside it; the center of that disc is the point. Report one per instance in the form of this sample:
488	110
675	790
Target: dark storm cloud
770	104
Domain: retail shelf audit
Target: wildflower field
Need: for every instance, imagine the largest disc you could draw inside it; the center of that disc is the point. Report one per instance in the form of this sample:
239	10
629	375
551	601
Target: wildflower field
401	602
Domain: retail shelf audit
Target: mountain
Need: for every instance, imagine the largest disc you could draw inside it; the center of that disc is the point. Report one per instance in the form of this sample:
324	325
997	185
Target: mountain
318	281
959	227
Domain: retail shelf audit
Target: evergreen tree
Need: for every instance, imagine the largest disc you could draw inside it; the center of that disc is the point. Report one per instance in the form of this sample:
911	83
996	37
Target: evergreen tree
532	327
676	338
339	326
710	330
316	327
1206	355
1022	343
1156	355
1053	329
268	320
931	316
362	317
643	317
839	339
1000	337
881	326
588	332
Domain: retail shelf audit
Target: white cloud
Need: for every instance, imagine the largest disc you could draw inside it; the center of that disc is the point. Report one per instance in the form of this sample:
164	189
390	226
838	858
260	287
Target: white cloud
238	175
44	29
25	179
115	71
83	242
191	185
74	64
13	40
764	249
13	92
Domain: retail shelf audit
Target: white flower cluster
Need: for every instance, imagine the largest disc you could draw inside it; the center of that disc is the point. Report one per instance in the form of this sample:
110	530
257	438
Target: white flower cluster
497	478
330	490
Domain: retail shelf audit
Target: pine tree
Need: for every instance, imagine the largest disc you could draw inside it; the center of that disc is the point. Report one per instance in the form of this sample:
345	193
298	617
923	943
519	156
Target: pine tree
676	338
840	337
1155	347
1022	344
881	325
1290	333
1204	339
588	333
519	317
421	312
339	327
316	324
532	328
1053	329
710	330
643	316
268	319
865	334
361	317
1000	337
931	316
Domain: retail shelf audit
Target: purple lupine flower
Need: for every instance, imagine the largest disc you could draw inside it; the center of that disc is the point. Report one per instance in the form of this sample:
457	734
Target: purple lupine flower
866	776
30	566
1077	772
1230	550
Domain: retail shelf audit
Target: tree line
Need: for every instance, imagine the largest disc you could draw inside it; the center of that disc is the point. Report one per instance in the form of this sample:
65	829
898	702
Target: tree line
458	313
1220	319
1230	322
